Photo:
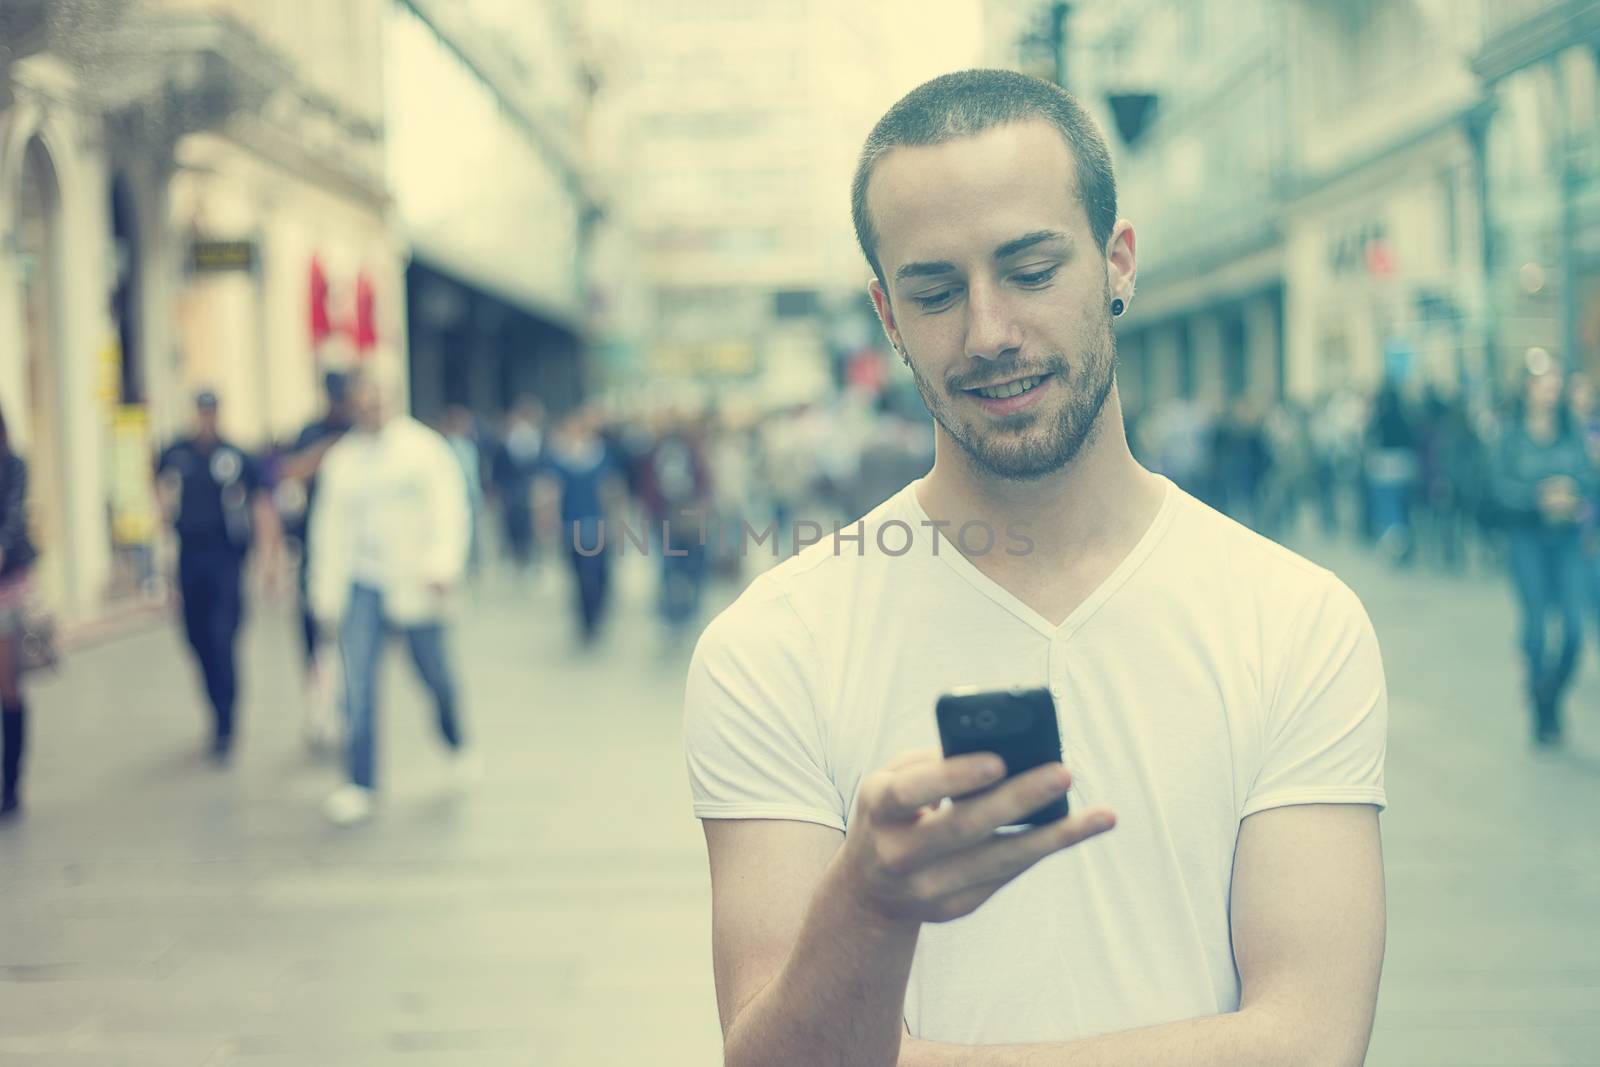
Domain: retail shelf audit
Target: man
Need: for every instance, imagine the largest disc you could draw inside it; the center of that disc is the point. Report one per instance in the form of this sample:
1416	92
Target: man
212	494
578	487
1221	701
515	464
388	545
301	467
675	491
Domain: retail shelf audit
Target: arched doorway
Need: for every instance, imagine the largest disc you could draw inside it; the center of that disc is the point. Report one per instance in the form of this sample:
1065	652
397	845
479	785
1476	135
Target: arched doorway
39	252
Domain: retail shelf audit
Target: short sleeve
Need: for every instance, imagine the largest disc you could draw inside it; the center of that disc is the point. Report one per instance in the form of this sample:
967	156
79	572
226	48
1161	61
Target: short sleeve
1327	721
751	732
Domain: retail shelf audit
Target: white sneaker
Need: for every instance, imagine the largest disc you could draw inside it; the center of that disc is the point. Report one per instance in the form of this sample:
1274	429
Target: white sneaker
466	769
348	805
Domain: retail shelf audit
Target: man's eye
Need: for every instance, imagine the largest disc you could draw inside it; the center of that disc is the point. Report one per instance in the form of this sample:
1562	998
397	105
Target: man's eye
935	301
1037	277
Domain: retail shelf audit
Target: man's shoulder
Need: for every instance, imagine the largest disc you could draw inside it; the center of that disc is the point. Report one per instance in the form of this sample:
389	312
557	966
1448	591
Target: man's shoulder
1233	560
803	594
763	611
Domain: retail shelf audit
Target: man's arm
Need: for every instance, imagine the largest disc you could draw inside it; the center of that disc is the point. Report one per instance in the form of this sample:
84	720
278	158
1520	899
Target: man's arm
813	939
448	504
1308	936
303	460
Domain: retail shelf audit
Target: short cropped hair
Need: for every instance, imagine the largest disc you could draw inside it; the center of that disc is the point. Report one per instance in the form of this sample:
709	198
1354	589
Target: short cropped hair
969	102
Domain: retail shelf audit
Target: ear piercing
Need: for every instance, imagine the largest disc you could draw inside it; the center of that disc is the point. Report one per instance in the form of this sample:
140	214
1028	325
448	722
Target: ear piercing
1118	306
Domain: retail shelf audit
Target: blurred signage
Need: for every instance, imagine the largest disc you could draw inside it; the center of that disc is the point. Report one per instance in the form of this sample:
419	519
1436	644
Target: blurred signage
719	358
133	513
212	257
108	387
1362	248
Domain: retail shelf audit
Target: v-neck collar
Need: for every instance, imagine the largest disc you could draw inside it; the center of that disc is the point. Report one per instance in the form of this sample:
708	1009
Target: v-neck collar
1092	603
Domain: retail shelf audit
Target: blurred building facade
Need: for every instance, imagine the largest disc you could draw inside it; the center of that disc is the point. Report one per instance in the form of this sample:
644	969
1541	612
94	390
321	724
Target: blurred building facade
487	110
1327	194
1541	143
731	167
191	193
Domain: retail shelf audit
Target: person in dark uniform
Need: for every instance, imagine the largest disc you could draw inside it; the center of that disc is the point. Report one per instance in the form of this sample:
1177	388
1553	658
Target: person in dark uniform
212	493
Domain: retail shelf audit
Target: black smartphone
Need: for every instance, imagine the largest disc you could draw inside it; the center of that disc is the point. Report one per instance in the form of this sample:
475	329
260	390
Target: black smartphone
1018	725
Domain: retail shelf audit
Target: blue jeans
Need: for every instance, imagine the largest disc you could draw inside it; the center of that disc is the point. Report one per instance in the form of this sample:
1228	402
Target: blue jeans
361	640
682	577
1547	568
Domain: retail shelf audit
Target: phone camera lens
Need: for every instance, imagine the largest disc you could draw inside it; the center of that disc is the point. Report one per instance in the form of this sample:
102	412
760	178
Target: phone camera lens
986	719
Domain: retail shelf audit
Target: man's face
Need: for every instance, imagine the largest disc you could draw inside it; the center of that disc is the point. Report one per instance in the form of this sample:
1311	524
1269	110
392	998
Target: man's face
206	421
367	404
998	293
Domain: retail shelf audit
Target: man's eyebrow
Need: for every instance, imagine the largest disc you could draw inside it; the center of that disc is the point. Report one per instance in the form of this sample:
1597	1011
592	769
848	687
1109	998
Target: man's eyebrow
1027	241
923	270
1010	248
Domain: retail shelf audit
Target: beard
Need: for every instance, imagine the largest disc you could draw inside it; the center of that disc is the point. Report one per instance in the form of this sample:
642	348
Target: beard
1034	443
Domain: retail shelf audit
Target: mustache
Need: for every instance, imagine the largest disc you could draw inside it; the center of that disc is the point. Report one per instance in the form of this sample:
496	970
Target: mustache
986	375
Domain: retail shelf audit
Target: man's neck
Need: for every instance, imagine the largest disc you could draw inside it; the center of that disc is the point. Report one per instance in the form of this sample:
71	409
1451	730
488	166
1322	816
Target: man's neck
1101	502
1079	523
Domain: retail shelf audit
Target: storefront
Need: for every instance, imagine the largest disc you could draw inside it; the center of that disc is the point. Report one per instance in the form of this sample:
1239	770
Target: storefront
1384	273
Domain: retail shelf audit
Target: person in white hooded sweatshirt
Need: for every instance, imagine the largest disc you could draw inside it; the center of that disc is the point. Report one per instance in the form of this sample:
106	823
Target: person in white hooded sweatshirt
389	545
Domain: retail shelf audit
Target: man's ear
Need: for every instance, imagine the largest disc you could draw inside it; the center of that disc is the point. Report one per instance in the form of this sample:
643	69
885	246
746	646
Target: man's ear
880	301
1121	263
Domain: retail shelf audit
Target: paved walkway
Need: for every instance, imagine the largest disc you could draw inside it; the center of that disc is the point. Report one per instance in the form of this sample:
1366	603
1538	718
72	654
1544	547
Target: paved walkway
156	910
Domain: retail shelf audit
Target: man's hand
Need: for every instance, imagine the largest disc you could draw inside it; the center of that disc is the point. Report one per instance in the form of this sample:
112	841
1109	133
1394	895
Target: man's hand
1558	499
907	860
272	579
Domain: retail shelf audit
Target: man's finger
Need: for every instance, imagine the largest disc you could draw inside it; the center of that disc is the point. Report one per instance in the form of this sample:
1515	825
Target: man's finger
1002	857
912	757
972	821
919	784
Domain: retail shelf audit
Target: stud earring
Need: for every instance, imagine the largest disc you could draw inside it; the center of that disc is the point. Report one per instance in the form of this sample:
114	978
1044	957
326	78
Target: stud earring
1118	306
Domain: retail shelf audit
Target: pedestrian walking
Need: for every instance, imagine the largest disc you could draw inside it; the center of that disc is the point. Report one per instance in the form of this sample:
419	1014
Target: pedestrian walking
214	497
582	484
1391	473
515	464
675	491
389	547
17	556
299	470
1543	481
1221	701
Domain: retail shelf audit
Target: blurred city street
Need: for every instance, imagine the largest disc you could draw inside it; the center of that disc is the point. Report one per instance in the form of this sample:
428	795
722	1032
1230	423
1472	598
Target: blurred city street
161	910
369	295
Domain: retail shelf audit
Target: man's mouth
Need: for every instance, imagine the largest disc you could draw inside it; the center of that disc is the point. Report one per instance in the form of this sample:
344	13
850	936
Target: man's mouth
1005	390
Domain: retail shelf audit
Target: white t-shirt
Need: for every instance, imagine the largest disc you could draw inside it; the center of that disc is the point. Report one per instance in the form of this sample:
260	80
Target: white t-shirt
1213	675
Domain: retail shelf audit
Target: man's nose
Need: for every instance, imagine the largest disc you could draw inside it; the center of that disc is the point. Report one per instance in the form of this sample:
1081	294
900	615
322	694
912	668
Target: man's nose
992	330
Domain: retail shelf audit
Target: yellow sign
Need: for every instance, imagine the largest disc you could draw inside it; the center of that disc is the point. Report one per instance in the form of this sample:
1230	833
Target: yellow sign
133	510
110	372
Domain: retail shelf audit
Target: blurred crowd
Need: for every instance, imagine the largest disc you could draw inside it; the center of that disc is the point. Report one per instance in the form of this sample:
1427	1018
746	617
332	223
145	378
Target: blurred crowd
703	492
1406	471
1426	479
381	518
